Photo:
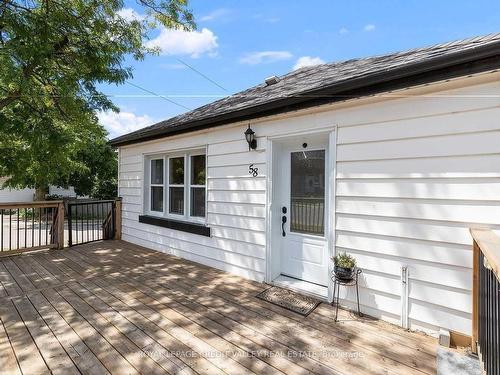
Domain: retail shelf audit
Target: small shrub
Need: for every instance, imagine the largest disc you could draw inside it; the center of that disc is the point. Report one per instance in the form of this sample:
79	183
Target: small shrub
53	197
344	260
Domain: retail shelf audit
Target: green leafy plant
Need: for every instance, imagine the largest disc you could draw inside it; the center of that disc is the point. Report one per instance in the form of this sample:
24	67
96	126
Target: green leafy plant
55	57
344	260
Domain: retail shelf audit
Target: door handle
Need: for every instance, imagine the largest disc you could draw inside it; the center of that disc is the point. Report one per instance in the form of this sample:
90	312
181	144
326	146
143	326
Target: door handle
283	221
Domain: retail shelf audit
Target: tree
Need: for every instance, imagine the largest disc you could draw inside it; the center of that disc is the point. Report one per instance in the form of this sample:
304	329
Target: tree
53	56
99	177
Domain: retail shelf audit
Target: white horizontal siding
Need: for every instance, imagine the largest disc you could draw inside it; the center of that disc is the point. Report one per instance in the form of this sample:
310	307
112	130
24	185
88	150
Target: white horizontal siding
439	209
243	222
443	167
479	143
413	173
409	185
246	184
240	158
461	189
236	171
441	124
237	209
430	251
423	229
240	196
235	201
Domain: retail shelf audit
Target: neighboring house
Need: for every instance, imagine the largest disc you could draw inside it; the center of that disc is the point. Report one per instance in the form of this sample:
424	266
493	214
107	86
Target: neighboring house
27	195
389	158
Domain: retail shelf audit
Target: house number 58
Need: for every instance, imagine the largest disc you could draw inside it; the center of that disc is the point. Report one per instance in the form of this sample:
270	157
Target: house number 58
253	171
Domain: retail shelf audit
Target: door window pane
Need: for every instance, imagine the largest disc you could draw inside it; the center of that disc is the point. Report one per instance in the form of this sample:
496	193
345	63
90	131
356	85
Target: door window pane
307	192
157	198
157	172
176	168
198	170
198	202
176	202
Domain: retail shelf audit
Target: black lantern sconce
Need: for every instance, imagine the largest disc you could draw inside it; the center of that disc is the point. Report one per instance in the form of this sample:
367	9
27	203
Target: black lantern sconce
250	137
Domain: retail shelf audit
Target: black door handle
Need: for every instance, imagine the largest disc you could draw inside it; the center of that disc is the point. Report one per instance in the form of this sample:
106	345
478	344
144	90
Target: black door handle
283	221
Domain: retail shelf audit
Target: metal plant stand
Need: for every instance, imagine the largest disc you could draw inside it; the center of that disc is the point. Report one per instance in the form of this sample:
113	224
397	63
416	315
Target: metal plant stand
338	281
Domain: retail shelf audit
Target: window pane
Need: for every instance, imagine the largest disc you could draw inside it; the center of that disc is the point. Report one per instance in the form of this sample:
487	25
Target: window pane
157	198
198	202
157	171
308	192
176	171
177	200
198	170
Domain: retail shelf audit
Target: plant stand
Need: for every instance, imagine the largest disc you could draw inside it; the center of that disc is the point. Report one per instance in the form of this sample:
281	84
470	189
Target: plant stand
337	282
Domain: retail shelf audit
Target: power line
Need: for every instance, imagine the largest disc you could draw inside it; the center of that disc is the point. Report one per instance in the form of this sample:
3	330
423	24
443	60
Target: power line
306	96
157	95
153	95
201	74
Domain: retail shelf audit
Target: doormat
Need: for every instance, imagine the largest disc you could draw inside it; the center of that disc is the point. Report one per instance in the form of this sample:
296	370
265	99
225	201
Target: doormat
289	300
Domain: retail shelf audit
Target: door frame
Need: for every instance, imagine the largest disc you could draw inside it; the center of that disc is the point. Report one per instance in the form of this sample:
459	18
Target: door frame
272	250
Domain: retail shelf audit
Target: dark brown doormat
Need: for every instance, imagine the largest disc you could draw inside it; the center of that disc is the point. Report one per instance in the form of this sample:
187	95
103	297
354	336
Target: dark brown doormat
289	300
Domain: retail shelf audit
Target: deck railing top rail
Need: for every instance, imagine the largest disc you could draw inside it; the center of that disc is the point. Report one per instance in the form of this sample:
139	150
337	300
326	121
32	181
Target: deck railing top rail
37	204
489	244
83	202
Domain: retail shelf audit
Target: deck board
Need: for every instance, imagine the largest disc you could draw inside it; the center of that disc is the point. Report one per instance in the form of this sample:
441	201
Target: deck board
114	307
27	353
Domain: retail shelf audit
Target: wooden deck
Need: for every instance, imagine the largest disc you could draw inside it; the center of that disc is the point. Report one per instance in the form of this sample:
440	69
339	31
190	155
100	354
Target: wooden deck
113	307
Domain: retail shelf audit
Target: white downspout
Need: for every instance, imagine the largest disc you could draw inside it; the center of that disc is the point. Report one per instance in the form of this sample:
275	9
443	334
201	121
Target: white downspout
404	297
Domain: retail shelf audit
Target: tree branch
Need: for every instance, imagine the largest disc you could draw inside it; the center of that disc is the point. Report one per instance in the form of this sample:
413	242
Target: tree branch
11	97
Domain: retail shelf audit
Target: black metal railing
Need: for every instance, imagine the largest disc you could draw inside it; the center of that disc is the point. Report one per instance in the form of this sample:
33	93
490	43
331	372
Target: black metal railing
489	306
308	215
90	221
28	226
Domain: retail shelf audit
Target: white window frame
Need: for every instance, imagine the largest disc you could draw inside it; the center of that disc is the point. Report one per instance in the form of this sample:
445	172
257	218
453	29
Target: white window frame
169	185
189	186
186	154
151	185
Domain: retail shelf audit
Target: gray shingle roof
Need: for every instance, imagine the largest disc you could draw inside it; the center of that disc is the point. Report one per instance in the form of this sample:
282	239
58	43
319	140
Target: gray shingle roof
310	83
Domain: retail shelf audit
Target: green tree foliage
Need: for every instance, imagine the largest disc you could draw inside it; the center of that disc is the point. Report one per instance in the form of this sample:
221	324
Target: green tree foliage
53	56
98	179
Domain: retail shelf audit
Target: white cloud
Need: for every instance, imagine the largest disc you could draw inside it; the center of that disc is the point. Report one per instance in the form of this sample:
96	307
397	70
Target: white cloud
218	13
369	27
180	42
304	61
123	122
264	57
130	14
343	30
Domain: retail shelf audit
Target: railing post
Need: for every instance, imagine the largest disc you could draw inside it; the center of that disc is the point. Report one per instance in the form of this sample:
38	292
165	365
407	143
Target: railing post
60	226
70	227
475	296
118	219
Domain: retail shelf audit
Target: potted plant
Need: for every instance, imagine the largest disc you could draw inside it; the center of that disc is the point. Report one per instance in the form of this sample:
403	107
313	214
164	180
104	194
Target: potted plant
344	266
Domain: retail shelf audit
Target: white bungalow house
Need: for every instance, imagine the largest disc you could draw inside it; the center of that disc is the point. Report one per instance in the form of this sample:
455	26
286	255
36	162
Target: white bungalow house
390	158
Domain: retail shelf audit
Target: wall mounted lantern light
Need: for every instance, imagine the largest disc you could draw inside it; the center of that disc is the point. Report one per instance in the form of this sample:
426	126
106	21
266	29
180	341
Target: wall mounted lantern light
250	137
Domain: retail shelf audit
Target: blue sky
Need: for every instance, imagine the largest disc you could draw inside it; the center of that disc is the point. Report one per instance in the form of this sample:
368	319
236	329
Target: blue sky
239	43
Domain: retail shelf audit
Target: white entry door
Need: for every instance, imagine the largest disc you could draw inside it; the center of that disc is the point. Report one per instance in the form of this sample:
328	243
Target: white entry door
303	191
